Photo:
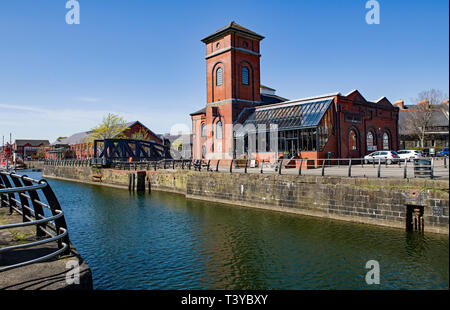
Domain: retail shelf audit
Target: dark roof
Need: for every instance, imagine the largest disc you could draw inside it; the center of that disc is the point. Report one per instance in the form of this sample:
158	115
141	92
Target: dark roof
32	142
201	111
438	119
271	99
292	116
81	137
232	26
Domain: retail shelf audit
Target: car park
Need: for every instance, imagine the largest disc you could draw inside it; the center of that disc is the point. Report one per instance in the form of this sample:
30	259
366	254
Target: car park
388	157
409	154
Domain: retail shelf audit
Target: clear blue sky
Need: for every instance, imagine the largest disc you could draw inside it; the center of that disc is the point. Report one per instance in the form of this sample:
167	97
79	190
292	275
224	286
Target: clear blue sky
143	59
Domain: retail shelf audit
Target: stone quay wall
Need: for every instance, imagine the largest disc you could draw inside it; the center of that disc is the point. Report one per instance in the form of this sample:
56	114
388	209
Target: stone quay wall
365	200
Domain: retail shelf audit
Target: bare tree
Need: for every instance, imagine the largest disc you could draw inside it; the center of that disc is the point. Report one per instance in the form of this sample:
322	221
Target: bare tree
419	119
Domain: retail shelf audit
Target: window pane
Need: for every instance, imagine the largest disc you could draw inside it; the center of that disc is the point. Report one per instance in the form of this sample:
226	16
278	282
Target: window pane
219	77
245	76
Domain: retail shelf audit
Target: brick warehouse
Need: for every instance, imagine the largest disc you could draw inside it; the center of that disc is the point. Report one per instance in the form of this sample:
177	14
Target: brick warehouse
336	125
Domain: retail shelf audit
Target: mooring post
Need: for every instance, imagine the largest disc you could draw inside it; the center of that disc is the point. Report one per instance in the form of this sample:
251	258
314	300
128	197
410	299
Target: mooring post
350	168
432	168
149	185
140	186
405	173
379	167
133	181
129	182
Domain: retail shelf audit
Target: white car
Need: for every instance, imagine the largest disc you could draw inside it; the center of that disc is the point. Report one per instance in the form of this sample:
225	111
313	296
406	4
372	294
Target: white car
409	154
389	157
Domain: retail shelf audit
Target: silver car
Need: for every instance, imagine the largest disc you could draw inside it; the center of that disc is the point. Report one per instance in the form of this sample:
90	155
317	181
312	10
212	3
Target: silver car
388	157
409	154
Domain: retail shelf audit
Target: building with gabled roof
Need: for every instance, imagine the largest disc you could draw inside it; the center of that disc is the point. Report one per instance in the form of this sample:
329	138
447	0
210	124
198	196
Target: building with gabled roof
240	110
79	146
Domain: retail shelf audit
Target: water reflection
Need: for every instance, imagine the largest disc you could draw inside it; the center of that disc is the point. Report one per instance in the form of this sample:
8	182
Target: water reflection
163	241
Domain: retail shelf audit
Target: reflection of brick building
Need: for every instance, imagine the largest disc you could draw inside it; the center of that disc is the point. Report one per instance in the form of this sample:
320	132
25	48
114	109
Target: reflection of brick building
78	146
338	125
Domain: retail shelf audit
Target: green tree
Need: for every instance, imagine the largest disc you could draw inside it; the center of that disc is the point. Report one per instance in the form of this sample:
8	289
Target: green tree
111	127
142	134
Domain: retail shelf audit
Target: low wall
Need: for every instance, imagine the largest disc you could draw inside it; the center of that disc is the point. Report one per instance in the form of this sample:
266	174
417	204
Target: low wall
364	200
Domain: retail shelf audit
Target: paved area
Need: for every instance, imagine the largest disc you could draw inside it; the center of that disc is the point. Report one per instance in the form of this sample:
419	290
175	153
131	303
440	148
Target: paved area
49	275
441	172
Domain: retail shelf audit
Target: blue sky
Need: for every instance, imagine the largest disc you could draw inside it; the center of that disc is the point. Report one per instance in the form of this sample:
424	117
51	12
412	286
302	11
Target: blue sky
143	59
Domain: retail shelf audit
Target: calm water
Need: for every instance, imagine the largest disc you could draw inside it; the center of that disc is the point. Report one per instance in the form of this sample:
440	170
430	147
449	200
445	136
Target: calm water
164	241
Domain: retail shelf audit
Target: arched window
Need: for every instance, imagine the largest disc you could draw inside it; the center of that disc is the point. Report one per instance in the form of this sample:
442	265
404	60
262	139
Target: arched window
219	130
370	141
386	143
352	143
203	151
219	76
245	76
203	130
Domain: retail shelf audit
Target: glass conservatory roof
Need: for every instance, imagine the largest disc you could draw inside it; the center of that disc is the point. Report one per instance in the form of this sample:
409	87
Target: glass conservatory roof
287	117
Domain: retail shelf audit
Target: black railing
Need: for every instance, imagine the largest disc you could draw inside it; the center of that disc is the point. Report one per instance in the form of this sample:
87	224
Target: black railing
20	194
343	167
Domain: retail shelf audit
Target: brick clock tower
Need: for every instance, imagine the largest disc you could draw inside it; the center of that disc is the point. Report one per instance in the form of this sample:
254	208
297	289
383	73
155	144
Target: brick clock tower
233	83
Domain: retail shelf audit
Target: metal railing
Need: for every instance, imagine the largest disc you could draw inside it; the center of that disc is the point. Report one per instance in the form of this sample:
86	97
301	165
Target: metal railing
20	194
430	167
343	167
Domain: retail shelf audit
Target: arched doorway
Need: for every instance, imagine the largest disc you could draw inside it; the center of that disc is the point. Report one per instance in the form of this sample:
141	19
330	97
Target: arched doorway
353	144
386	141
371	143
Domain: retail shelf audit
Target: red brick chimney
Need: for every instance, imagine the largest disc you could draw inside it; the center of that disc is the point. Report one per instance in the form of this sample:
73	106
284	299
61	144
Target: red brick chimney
400	103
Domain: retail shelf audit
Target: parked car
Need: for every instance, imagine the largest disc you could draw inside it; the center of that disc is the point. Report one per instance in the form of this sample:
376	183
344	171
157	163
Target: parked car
442	152
409	154
388	157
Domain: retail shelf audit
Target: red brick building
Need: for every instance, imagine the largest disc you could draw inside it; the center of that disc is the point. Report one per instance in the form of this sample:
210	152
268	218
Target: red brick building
28	148
230	126
78	145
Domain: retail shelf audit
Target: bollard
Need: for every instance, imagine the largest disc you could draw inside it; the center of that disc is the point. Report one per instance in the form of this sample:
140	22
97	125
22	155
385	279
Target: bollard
432	168
262	166
190	163
323	167
379	167
207	168
405	173
231	166
445	162
245	169
129	182
350	168
279	168
149	186
217	166
173	164
300	167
